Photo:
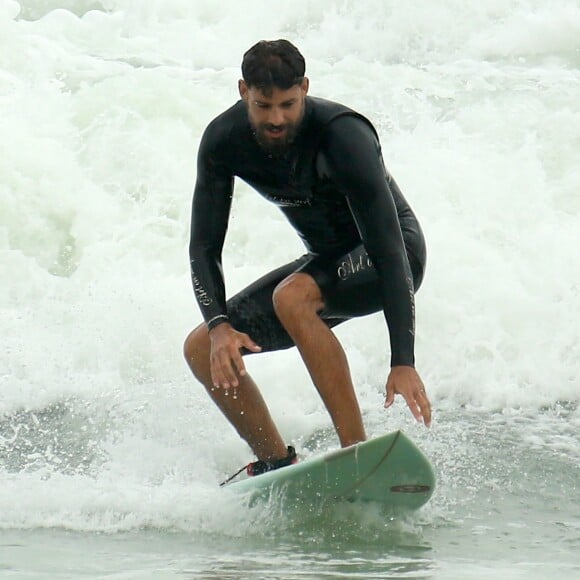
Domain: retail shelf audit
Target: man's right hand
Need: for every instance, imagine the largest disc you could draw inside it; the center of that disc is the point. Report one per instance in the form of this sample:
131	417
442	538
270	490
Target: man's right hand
225	357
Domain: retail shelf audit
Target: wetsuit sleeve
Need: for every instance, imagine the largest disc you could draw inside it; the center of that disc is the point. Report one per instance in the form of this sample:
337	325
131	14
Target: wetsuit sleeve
209	221
354	163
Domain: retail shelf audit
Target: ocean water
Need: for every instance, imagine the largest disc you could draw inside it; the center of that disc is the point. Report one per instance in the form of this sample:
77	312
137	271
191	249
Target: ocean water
110	453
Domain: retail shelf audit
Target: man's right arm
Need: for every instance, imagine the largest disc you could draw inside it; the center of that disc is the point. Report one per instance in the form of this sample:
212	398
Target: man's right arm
209	221
212	199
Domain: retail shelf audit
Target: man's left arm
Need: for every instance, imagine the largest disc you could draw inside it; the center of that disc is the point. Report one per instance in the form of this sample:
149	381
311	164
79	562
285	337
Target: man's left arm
354	163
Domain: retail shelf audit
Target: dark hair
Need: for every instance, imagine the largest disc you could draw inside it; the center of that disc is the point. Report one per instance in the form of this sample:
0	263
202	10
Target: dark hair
273	63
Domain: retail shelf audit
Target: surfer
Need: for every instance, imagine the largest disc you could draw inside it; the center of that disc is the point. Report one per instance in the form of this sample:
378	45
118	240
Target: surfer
321	163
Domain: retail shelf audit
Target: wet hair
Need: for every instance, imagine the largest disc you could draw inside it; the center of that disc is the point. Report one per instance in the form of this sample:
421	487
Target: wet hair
273	63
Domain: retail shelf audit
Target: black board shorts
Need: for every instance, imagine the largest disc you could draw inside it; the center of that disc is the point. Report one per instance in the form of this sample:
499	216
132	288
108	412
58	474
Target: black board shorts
350	288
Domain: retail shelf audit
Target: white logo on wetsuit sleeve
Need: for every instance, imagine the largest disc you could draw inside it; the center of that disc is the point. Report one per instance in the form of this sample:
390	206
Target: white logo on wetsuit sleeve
199	290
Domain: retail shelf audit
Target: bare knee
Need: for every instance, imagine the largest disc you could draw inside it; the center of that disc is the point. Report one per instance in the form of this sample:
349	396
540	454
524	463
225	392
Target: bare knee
196	349
297	295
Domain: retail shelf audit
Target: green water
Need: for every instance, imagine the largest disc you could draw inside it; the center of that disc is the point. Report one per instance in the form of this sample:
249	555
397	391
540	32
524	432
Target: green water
507	506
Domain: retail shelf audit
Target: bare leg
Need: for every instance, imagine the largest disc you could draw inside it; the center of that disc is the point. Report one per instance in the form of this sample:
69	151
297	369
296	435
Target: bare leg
243	406
298	300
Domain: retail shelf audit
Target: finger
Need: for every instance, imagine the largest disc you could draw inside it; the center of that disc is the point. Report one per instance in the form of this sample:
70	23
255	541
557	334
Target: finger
390	398
216	374
238	365
229	370
237	359
250	344
422	402
221	375
416	410
414	407
425	408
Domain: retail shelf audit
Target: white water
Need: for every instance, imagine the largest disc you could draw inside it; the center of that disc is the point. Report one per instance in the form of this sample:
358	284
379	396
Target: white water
102	104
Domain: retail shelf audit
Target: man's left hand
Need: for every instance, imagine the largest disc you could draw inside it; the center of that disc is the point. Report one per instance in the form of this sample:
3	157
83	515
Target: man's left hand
405	381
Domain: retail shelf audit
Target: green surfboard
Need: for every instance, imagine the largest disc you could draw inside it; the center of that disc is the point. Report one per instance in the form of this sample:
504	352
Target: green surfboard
389	470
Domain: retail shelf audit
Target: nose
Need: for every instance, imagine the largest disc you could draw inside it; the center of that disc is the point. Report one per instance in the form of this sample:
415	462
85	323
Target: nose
276	116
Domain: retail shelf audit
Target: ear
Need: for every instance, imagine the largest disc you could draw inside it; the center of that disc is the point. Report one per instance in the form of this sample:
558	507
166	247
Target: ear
305	85
243	89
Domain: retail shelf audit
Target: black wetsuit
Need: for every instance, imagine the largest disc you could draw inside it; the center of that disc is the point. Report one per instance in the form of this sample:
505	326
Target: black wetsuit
365	247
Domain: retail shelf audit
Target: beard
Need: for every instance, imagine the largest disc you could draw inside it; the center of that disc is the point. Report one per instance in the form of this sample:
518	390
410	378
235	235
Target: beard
277	146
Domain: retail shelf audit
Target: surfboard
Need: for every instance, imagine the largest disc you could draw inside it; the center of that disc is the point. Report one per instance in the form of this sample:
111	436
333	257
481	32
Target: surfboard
389	470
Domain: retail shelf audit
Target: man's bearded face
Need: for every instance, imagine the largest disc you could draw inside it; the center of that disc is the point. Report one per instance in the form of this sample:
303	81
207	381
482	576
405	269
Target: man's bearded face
275	115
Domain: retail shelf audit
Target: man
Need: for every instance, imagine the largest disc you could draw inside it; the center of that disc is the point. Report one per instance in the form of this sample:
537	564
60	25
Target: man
320	162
